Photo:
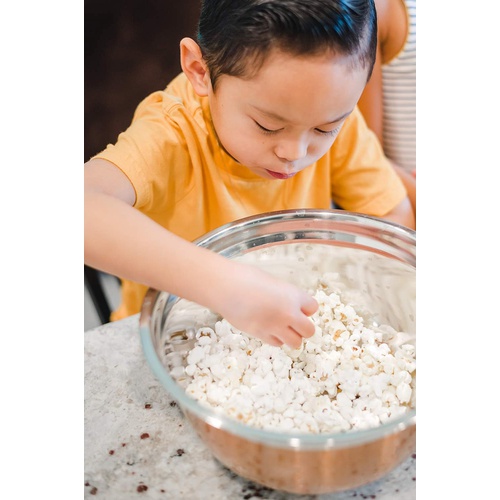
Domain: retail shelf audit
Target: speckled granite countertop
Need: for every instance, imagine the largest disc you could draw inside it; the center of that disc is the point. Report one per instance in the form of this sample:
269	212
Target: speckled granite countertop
139	445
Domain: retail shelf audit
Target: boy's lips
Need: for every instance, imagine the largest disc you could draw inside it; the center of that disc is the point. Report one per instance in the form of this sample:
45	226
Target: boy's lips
277	175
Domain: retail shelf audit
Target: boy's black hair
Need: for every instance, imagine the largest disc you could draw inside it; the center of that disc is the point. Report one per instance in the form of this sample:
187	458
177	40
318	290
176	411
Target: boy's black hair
236	36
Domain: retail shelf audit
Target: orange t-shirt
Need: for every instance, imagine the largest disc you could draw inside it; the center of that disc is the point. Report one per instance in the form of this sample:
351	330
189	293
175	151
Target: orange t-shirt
184	181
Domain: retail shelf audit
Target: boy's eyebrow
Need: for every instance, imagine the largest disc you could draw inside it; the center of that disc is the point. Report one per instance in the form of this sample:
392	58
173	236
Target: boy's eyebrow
280	118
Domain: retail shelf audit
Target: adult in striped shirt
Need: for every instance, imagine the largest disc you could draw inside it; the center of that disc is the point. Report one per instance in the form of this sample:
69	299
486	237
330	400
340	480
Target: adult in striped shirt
388	102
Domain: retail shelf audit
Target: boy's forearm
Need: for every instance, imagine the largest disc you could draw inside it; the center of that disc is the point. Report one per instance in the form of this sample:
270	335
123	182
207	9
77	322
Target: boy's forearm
249	298
410	184
402	214
139	249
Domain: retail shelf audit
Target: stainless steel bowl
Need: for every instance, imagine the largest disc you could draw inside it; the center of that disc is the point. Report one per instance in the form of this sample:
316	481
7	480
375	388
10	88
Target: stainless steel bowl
376	262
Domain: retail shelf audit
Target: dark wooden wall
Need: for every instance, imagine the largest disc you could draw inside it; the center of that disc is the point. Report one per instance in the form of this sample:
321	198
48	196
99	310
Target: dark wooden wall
131	50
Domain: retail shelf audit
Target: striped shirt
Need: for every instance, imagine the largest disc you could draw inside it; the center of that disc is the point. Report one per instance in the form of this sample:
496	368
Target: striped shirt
399	90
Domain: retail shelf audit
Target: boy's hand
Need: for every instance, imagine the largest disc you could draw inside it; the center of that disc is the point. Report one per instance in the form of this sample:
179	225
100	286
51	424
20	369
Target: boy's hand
265	307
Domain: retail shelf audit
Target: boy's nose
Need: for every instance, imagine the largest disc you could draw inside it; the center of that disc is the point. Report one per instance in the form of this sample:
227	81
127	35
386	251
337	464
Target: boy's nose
291	150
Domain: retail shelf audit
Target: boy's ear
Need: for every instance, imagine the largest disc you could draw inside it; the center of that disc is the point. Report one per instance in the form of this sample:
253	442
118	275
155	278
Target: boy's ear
194	66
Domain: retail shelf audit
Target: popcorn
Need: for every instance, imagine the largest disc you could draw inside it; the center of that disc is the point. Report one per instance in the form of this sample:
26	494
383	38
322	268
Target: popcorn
347	376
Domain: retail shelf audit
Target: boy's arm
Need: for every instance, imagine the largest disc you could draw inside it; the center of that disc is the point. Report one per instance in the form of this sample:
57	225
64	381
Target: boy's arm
122	241
402	214
410	184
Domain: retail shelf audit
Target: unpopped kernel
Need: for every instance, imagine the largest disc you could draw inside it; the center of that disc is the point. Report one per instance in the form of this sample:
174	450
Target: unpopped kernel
346	376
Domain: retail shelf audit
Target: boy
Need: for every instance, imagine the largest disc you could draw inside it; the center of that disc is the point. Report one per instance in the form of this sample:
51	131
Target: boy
253	124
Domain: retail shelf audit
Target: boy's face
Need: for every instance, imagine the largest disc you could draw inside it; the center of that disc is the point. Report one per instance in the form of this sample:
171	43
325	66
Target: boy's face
287	116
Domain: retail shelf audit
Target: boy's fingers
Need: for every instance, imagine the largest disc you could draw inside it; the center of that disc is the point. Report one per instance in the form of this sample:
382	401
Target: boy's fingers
274	341
310	306
293	340
304	327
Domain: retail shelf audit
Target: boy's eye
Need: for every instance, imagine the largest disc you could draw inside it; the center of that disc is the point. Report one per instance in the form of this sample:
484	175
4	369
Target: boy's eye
323	132
328	132
266	130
